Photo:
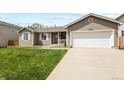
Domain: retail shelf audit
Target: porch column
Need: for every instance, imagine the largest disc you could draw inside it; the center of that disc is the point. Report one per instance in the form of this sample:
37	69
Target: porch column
32	38
67	38
58	38
70	39
50	37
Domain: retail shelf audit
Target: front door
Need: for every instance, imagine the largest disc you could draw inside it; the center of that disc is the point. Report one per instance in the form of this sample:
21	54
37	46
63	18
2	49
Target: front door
54	39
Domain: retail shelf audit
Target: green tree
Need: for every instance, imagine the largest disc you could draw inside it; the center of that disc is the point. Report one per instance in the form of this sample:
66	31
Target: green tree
35	26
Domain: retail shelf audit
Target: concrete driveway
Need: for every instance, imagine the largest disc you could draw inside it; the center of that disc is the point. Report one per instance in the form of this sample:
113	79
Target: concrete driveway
90	64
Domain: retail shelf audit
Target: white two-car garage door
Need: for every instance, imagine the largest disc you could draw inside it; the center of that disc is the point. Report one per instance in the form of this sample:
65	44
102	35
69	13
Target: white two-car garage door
92	39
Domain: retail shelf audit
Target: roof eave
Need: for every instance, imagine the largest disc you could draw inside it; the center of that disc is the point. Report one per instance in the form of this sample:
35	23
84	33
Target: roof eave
9	24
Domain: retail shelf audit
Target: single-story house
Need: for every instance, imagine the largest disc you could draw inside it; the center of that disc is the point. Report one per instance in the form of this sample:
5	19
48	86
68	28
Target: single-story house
8	32
90	31
42	36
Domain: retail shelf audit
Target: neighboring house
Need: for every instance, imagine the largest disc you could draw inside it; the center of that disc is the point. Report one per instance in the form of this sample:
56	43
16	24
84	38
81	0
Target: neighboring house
90	31
7	32
121	28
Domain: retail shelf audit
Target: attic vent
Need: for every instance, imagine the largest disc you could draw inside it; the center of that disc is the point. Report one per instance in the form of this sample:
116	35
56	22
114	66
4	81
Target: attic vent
90	20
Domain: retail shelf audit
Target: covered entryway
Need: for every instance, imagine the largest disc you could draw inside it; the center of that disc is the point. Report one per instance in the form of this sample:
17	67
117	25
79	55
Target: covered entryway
96	39
58	38
54	38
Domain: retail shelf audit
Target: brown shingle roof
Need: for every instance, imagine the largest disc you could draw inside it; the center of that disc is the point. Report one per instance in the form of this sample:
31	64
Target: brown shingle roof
50	29
47	29
8	24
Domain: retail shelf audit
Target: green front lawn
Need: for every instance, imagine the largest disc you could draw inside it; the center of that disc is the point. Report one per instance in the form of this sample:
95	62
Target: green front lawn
28	63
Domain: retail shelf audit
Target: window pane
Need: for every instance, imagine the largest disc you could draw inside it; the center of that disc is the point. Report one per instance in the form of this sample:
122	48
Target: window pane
25	36
62	35
43	36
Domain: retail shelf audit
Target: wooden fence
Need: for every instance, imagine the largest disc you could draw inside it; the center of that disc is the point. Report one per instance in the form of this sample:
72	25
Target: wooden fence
13	43
121	42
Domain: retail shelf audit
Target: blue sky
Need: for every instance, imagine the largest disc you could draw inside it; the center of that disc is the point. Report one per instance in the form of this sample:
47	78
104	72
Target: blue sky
49	19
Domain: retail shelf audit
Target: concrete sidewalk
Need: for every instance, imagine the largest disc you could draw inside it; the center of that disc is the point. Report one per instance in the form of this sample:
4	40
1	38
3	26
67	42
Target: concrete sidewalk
90	64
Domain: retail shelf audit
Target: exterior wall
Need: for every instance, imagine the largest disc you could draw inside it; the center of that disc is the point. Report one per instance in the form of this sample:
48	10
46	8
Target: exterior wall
121	19
35	39
67	38
120	30
7	33
38	41
115	38
25	42
104	24
96	24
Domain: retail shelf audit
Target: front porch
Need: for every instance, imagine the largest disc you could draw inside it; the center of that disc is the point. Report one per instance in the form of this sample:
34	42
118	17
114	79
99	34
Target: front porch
51	39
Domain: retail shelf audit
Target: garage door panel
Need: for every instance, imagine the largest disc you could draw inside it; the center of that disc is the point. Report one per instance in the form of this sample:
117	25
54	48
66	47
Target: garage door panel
95	40
92	35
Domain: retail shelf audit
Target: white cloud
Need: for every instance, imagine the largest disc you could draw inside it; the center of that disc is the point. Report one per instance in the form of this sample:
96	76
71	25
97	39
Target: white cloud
3	18
74	16
65	17
111	15
59	19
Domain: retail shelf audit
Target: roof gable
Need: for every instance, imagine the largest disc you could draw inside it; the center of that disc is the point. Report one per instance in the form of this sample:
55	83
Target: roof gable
120	18
95	15
122	15
24	29
94	26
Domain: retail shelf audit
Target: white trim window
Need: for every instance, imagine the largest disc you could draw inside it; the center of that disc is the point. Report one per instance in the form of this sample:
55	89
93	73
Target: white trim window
26	36
44	36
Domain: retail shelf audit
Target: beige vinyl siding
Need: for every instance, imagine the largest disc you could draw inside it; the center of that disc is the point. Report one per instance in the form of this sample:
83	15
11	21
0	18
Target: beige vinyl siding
104	24
96	24
121	19
121	27
7	33
25	42
39	41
